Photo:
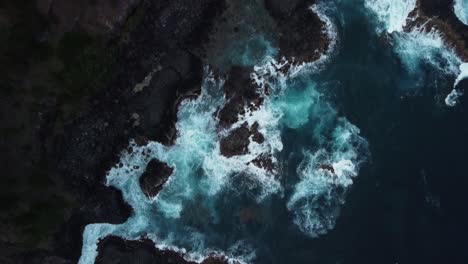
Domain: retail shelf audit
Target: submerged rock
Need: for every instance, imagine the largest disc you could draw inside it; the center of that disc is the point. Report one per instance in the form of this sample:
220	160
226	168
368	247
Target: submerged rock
154	177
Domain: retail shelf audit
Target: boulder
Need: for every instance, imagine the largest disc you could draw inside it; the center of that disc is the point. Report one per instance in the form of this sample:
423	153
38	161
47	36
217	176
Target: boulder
154	177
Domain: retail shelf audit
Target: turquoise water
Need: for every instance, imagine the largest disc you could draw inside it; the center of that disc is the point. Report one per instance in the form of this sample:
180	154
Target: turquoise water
351	111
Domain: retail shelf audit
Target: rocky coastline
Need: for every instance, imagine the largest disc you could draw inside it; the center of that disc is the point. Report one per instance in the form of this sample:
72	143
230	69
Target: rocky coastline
159	49
439	15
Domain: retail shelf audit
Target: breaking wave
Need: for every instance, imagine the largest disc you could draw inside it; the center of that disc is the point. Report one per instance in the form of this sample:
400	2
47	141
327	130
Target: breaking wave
326	173
416	47
391	14
461	10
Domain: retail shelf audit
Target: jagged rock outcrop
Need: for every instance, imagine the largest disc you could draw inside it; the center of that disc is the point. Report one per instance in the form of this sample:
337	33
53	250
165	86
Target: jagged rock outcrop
302	34
116	250
241	94
236	143
439	15
154	177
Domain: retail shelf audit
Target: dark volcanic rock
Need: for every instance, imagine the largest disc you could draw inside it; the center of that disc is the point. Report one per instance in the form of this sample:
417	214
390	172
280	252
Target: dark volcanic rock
154	177
281	9
34	257
116	250
302	34
236	143
96	17
439	14
92	142
178	76
240	92
162	44
265	162
257	136
102	205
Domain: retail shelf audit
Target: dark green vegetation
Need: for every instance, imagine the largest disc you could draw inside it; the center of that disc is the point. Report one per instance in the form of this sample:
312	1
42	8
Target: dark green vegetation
46	78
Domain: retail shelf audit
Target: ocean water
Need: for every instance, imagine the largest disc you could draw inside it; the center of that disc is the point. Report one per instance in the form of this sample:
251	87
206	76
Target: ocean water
373	109
461	10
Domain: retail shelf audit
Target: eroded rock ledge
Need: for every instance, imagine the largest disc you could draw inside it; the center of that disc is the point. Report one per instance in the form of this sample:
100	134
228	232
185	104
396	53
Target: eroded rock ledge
116	250
241	95
302	34
439	15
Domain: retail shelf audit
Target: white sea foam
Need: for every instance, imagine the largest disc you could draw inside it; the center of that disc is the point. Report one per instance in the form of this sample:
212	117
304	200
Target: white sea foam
321	191
91	235
463	73
391	14
418	47
461	10
452	98
323	10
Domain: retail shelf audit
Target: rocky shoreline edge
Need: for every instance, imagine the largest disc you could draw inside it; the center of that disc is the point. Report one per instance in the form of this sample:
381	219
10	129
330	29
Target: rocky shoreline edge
159	63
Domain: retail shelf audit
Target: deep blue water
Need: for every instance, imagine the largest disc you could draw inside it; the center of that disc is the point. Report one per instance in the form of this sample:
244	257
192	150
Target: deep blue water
409	204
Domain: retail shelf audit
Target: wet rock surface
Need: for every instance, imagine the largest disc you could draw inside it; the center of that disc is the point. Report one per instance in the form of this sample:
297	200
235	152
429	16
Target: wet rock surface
302	34
237	142
439	14
154	177
116	250
241	93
